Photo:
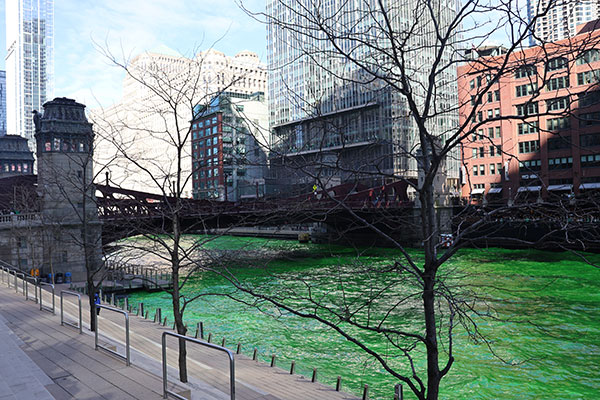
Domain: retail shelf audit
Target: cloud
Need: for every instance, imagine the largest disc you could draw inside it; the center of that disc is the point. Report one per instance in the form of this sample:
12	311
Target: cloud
127	28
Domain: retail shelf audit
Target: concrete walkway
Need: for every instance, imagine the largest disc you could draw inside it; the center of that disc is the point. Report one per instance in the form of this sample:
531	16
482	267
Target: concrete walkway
20	378
59	363
62	353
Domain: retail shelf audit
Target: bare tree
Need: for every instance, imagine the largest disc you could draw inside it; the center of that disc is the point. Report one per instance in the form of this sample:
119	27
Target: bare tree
402	58
152	146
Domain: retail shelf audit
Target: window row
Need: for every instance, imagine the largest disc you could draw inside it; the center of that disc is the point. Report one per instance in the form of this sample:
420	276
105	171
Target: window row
208	184
530	146
493	169
15	167
206	132
493	150
65	145
205	123
209	173
492	132
530	165
591	160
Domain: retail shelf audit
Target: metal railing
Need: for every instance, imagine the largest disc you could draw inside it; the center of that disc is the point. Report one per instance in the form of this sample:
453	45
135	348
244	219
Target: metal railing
42	306
62	319
26	280
127	356
23	279
4	274
167	392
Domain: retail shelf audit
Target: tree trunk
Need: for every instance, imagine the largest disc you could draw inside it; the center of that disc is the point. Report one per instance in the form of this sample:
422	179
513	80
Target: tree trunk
183	376
433	371
91	290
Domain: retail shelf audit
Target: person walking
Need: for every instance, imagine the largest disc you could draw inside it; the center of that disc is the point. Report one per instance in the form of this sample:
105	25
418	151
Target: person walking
97	302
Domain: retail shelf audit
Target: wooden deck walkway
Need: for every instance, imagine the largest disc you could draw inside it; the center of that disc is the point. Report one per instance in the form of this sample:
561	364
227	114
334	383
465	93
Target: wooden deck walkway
51	345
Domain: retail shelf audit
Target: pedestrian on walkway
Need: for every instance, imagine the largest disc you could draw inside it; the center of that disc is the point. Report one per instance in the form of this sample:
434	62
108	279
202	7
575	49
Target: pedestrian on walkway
97	302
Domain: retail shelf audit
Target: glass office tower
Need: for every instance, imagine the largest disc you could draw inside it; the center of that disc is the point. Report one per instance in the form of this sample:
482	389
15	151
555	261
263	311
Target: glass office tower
29	62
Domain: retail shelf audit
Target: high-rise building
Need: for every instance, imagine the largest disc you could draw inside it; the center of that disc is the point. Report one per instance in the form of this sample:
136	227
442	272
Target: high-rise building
143	125
535	131
561	20
229	144
2	103
331	119
29	62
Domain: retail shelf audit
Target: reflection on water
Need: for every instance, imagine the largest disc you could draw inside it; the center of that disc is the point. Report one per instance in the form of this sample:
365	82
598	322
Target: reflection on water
556	357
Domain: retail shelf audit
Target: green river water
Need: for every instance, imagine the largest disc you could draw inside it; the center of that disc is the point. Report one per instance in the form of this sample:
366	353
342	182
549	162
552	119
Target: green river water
555	357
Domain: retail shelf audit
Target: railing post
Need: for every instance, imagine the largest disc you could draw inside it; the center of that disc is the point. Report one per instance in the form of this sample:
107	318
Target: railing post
398	392
127	343
62	321
230	355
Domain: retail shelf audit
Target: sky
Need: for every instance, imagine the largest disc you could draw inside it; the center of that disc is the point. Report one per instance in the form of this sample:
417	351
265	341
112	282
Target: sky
130	27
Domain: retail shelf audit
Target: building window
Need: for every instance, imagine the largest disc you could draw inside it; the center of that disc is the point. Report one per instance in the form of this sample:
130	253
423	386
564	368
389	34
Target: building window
492	169
560	163
591	160
585	78
491	133
589	119
475	153
526	90
558	104
589	98
498	132
589	140
527	127
525	71
530	165
530	146
481	152
559	82
482	170
497	95
555	124
558	143
475	170
557	63
527	109
588	56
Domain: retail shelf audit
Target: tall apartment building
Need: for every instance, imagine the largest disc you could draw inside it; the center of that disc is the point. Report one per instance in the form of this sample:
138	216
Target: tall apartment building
561	21
331	119
538	124
143	125
2	103
29	62
229	147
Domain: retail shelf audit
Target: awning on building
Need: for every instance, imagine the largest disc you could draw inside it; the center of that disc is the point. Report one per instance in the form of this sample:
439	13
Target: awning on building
495	190
477	191
568	187
593	185
529	189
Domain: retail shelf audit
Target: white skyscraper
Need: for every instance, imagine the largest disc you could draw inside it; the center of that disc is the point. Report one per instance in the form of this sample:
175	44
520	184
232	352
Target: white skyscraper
29	62
142	125
332	119
562	18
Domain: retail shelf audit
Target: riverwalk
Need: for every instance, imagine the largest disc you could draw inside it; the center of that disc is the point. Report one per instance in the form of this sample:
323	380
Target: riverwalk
55	361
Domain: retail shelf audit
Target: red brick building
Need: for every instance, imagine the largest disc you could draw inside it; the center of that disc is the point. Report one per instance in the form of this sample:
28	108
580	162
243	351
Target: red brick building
535	127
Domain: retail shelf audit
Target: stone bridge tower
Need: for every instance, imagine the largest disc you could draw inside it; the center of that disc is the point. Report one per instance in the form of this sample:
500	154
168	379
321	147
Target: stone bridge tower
72	230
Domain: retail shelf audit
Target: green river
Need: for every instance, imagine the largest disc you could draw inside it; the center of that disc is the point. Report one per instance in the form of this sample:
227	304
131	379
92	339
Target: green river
556	356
